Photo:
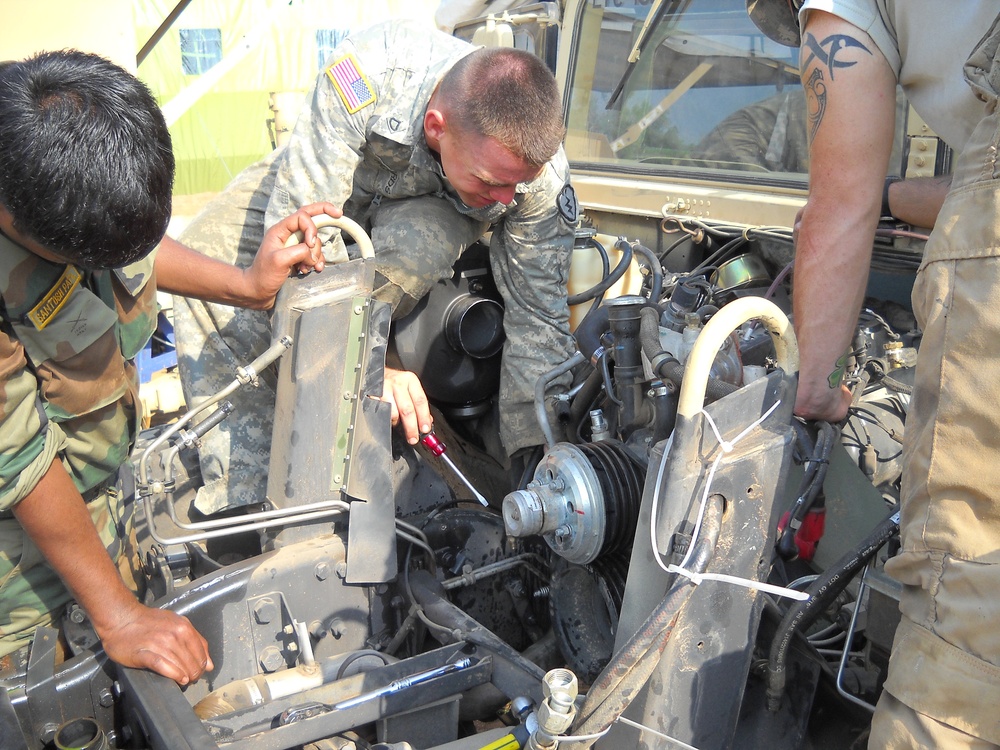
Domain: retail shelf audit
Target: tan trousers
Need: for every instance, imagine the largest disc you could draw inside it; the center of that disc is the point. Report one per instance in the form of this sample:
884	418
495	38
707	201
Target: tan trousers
943	688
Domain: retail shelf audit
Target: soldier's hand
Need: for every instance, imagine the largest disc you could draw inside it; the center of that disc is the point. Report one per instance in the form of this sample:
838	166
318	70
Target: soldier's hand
819	401
159	640
402	389
274	262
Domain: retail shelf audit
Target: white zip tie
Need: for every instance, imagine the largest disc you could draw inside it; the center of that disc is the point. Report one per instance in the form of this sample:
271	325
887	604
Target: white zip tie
668	738
629	722
696	578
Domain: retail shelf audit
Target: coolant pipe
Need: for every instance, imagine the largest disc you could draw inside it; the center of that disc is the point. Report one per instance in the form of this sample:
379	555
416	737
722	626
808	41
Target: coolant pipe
263	688
623	317
664	364
543	382
822	591
714	335
350	226
629	669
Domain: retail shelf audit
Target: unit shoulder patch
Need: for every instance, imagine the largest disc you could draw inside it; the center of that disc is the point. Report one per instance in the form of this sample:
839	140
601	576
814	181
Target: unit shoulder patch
568	207
353	86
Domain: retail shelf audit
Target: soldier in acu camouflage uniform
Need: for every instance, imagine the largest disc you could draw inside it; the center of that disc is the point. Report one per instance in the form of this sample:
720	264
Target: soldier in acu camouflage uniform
85	186
427	142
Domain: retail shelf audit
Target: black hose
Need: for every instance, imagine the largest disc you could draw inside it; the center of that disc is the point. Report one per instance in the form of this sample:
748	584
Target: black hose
605	270
608	281
628	671
821	593
817	465
665	366
583	401
655	269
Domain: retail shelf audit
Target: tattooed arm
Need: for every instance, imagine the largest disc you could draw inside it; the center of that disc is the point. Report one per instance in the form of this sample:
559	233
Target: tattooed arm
850	96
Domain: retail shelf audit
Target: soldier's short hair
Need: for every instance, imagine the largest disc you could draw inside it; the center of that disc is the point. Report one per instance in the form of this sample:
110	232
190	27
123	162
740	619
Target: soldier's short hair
86	166
509	95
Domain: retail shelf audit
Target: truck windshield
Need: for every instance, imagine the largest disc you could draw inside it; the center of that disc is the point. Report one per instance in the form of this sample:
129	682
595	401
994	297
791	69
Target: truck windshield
709	92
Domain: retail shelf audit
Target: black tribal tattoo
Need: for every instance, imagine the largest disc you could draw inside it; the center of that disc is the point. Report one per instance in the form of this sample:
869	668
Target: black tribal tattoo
824	53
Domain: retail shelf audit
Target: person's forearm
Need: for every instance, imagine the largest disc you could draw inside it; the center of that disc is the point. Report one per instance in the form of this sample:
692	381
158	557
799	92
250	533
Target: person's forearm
181	270
831	270
56	519
917	200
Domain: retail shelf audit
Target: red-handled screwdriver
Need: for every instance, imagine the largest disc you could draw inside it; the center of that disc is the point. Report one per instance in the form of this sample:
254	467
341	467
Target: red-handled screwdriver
438	448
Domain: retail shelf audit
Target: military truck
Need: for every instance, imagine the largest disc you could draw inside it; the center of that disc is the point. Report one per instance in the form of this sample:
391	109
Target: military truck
682	565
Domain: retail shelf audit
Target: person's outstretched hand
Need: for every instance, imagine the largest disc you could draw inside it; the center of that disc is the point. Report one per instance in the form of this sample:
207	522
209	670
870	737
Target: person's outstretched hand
402	389
274	262
158	640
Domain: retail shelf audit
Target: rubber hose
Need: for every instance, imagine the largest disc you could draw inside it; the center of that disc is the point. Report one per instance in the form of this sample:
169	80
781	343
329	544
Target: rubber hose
541	384
812	483
608	281
628	671
655	269
665	366
588	333
821	593
583	401
605	270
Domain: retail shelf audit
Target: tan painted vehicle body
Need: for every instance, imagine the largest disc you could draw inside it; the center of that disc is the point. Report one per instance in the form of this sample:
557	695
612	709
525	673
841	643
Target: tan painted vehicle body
682	564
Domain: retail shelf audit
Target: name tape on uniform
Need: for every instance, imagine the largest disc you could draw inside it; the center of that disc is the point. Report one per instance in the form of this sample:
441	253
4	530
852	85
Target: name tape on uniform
43	313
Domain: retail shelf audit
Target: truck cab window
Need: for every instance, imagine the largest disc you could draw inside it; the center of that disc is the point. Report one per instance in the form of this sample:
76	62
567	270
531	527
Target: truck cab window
708	92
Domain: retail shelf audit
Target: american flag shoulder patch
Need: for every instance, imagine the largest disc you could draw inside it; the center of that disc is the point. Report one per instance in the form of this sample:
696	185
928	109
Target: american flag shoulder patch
352	85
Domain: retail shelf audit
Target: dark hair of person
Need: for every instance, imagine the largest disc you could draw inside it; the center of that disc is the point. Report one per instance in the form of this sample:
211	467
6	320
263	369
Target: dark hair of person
86	166
509	95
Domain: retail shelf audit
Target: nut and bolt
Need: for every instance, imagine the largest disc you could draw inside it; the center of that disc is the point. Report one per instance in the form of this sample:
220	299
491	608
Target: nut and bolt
341	569
271	659
48	731
322	571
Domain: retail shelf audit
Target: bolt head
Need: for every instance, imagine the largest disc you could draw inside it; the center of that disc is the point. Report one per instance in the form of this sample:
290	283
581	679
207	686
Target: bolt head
271	659
322	571
264	611
48	731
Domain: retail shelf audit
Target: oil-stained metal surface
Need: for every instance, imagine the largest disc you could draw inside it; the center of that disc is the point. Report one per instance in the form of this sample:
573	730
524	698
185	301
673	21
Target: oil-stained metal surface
329	393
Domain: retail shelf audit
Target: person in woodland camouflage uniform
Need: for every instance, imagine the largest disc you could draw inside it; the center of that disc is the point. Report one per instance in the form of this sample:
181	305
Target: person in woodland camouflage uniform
86	172
427	142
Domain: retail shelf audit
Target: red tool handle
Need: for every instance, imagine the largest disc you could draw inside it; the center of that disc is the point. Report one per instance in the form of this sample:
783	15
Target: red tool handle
431	443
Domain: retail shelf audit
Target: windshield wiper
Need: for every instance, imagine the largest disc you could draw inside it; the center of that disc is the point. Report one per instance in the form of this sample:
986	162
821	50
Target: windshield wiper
660	9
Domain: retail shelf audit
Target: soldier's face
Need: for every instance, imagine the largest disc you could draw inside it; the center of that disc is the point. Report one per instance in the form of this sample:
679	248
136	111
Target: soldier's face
480	170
